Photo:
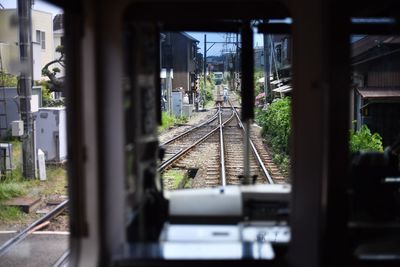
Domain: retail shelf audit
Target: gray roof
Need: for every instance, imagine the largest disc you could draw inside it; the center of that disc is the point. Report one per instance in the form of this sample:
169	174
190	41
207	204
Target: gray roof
189	36
379	93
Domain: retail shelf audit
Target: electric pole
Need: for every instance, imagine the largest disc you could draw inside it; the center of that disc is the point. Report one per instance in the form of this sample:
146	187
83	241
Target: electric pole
237	63
25	87
205	65
267	72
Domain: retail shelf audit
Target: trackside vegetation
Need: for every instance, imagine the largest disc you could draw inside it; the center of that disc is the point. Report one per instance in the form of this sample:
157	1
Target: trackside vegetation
13	185
207	92
364	140
276	128
275	122
168	121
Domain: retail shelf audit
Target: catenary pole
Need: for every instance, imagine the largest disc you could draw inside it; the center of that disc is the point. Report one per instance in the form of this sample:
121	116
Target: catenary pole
25	87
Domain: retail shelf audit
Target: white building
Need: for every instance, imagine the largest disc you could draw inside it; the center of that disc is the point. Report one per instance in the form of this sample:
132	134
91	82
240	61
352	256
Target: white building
58	37
42	40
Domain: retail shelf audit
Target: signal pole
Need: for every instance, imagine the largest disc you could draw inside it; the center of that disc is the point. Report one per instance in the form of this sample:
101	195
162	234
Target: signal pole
25	87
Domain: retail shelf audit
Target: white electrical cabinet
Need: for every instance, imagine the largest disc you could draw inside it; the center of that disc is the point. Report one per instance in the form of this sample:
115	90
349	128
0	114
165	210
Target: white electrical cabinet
17	128
51	133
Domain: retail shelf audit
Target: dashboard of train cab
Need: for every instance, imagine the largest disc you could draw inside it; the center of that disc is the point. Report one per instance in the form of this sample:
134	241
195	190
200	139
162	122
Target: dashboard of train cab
222	223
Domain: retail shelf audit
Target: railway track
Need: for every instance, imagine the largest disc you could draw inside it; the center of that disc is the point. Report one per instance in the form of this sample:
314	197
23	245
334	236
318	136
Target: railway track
201	141
216	152
12	243
184	140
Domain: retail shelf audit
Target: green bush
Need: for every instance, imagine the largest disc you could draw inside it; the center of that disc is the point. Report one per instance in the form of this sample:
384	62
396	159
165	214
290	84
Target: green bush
207	92
258	87
207	95
8	80
364	140
276	127
10	214
46	94
11	189
48	101
275	123
167	121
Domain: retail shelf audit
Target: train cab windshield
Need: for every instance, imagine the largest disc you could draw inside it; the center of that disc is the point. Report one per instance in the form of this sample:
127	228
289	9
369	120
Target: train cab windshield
220	166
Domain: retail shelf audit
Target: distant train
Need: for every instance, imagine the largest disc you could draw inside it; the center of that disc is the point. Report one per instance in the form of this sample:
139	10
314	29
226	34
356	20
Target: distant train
218	77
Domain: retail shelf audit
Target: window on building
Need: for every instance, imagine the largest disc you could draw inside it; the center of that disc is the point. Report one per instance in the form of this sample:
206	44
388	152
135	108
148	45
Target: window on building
41	39
38	37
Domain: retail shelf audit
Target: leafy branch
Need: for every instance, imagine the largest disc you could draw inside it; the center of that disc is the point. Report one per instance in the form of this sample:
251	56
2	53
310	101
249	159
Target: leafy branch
55	84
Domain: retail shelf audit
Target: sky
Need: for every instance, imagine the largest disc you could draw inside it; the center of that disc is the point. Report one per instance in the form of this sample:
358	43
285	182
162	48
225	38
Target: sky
218	37
39	5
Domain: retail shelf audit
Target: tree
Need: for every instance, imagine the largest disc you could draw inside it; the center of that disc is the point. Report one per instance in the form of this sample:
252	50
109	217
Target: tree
55	84
364	140
8	80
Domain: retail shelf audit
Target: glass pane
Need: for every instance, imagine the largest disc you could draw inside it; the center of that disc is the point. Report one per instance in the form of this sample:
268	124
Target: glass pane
209	149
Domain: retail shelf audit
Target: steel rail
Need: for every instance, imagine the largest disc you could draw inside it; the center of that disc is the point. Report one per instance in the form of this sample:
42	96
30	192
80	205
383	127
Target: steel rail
28	230
172	159
253	147
63	260
221	143
213	117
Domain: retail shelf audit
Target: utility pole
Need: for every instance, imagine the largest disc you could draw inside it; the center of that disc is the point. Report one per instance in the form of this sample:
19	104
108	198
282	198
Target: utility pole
25	87
205	65
267	73
169	89
237	62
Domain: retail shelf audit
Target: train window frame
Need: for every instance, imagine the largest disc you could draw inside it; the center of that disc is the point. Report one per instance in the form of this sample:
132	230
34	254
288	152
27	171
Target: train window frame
324	205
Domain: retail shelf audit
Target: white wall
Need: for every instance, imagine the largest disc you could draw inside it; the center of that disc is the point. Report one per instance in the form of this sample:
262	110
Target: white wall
41	21
8	32
9	54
